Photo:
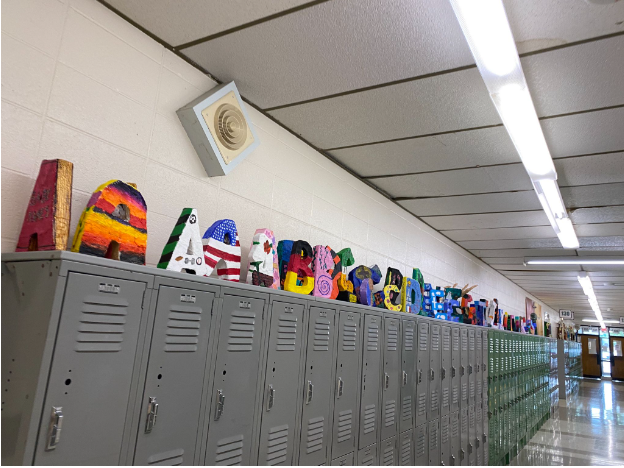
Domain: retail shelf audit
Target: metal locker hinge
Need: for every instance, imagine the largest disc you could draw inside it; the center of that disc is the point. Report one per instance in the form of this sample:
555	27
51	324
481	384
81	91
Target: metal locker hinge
310	392
220	405
386	380
340	386
56	424
443	373
404	378
152	414
271	399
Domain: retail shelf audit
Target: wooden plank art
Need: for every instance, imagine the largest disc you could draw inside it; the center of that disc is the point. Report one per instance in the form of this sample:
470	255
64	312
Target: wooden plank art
323	267
391	291
46	222
393	277
114	224
410	296
222	250
284	249
300	277
184	251
263	262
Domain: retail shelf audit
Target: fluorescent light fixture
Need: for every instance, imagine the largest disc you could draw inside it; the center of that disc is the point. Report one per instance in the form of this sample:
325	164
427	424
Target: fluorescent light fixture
604	321
588	289
574	261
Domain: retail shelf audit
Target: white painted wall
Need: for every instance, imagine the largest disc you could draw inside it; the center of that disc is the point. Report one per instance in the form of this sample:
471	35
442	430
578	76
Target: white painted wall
81	84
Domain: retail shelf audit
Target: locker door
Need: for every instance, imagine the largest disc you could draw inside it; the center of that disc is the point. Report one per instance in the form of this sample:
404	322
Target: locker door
422	372
435	366
434	442
388	451
368	456
317	387
478	365
471	366
408	374
281	390
455	369
236	381
175	373
486	434
371	371
463	415
479	434
421	454
446	372
445	440
455	458
463	374
91	370
347	383
390	378
472	445
406	442
346	460
484	362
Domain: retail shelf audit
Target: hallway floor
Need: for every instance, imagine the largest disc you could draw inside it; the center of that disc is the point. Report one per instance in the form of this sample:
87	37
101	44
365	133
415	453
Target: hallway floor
585	430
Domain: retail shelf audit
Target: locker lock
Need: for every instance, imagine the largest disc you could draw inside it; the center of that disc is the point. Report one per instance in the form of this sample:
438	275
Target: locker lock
452	460
462	370
54	431
463	454
469	370
419	375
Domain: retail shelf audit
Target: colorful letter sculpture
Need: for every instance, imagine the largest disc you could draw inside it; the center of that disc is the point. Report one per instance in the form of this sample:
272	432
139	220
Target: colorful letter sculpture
391	291
299	270
323	267
263	268
345	287
46	223
113	225
364	275
335	275
393	277
222	250
410	296
417	275
379	299
284	249
184	251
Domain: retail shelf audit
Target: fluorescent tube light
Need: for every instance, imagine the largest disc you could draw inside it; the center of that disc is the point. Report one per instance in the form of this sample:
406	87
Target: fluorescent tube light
604	321
566	234
588	289
574	261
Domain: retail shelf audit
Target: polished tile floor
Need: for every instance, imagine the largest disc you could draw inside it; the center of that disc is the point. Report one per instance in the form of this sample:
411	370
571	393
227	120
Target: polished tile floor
587	429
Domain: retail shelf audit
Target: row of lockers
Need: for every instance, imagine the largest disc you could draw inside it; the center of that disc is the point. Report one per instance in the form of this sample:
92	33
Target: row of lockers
110	363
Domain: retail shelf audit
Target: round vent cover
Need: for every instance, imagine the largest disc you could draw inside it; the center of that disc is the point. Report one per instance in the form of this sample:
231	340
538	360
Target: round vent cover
231	125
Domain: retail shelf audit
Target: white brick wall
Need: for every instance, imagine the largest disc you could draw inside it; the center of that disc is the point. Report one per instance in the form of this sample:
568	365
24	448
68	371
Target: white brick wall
81	84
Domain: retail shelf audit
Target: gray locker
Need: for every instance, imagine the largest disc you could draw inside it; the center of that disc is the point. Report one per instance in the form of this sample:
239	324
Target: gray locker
175	373
472	436
371	376
390	378
281	385
388	452
435	366
486	431
471	366
455	369
465	436
408	374
479	434
347	383
236	381
91	372
422	372
368	456
463	370
434	442
446	371
421	444
455	458
478	365
406	448
445	440
484	362
317	389
345	460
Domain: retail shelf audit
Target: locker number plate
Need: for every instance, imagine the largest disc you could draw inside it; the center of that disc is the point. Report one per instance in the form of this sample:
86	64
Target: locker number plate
109	288
188	298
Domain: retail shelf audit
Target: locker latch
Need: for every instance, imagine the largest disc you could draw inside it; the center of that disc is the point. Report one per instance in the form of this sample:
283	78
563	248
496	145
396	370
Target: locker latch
469	370
469	448
419	375
452	460
452	372
340	386
271	397
431	374
463	454
463	370
443	376
56	423
310	392
220	404
152	414
386	380
478	443
404	378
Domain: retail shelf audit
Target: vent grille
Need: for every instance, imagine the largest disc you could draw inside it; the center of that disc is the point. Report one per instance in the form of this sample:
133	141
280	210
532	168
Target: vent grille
435	338
321	334
433	438
434	400
349	336
455	339
455	395
471	419
369	418
278	445
464	340
231	127
464	390
479	383
445	397
241	334
372	341
408	338
446	340
406	451
464	423
388	455
419	445
472	390
390	413
423	337
229	451
422	404
368	460
316	427
445	431
406	411
471	340
286	333
168	458
183	329
101	326
455	429
345	425
392	337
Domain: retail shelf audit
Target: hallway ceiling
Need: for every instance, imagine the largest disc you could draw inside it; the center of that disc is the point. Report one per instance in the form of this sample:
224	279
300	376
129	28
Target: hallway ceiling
390	91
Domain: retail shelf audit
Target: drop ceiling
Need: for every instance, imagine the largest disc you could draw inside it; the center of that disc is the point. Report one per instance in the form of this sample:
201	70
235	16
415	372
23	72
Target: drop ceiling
390	91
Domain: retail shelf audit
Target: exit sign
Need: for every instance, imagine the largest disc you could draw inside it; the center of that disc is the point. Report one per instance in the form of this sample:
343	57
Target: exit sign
566	314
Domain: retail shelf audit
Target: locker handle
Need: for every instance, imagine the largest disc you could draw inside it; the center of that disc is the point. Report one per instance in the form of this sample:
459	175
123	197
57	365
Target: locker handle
469	369
419	375
463	370
386	380
452	460
404	378
152	414
271	399
310	392
469	448
453	372
340	386
443	373
56	424
431	374
220	405
463	454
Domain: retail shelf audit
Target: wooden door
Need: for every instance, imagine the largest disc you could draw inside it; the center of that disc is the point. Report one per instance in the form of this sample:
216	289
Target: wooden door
591	356
616	344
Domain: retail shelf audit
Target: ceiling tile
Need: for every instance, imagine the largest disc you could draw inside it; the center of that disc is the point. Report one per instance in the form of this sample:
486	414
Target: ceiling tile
607	214
614	251
607	229
490	220
599	169
590	242
535	232
516	267
593	195
524	253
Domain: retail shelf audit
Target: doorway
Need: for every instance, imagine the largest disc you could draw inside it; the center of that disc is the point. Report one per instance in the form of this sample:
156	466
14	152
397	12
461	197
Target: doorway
616	346
591	356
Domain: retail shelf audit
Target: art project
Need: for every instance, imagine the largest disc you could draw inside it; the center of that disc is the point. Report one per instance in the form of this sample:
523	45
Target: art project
222	250
323	267
300	277
263	260
184	251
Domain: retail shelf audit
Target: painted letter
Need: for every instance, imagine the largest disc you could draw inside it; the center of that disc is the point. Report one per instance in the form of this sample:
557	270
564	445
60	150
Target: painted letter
184	251
222	250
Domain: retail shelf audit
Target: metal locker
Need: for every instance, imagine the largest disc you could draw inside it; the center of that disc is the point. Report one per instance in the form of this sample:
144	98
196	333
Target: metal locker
421	454
170	411
408	374
445	440
486	434
455	458
463	415
434	442
281	385
390	379
236	380
463	369
422	372
446	372
368	456
371	375
347	383
435	366
455	369
406	448
91	371
317	389
471	366
388	452
478	365
472	436
485	362
479	433
345	460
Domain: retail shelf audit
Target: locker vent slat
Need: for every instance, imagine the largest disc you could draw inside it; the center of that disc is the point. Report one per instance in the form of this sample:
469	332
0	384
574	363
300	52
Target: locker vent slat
241	332
479	384
390	413
345	425
435	401
408	338
349	336
464	340
446	340
287	333
455	339
368	460
422	404
406	449
420	445
277	445
369	418
168	458
406	411
388	456
464	390
102	325
433	438
445	432
435	338
316	427
392	340
423	337
321	334
455	429
455	395
445	397
472	389
182	334
229	451
372	342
